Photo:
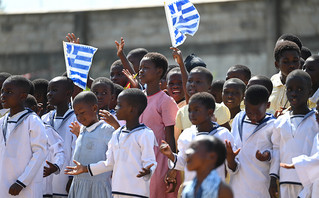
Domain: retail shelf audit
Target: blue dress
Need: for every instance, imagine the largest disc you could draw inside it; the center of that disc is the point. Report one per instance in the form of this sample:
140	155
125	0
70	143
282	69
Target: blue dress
91	147
208	189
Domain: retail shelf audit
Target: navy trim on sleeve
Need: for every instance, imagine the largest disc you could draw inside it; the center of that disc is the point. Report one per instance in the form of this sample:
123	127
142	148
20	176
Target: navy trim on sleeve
89	169
57	167
21	184
274	175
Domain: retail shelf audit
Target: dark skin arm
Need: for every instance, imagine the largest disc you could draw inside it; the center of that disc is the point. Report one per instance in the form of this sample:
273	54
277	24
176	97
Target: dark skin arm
49	170
15	189
169	137
121	55
273	188
225	191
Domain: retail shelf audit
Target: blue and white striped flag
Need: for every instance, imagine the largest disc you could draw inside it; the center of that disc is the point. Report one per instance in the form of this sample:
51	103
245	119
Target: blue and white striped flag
78	61
182	18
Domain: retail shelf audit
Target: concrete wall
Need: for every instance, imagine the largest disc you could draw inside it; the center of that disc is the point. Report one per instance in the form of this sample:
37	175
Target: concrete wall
234	32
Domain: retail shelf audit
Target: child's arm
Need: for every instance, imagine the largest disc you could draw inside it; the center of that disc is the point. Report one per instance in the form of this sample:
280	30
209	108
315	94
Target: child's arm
109	118
132	79
275	163
145	171
167	151
121	55
265	156
75	128
177	55
231	155
225	191
72	38
169	137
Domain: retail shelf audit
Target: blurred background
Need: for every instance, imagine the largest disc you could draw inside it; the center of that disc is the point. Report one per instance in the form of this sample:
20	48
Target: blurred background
230	32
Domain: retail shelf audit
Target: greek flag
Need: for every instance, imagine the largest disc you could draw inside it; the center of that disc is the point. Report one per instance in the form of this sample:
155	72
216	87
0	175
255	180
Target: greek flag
182	18
78	60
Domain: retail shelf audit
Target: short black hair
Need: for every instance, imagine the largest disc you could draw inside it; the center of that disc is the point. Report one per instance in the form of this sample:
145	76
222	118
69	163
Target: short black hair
212	144
218	84
21	82
30	101
264	81
208	74
237	81
68	82
241	68
298	73
136	98
285	46
314	57
169	69
175	70
138	52
256	94
117	89
41	85
292	38
117	63
159	60
104	80
205	99
305	52
4	76
192	61
87	97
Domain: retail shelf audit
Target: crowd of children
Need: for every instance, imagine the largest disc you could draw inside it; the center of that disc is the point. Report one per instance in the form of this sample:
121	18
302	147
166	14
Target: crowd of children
164	131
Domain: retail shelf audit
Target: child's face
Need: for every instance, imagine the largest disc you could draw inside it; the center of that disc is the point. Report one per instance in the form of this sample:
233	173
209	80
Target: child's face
237	74
312	68
57	93
86	114
198	113
103	94
217	93
175	87
11	95
232	95
289	61
256	113
297	91
196	156
117	76
149	72
196	82
122	108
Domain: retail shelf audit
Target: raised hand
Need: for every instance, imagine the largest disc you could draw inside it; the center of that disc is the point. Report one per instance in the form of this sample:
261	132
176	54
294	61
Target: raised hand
231	155
287	166
120	47
72	38
49	170
177	55
75	128
145	171
131	78
15	189
166	150
265	156
109	118
75	170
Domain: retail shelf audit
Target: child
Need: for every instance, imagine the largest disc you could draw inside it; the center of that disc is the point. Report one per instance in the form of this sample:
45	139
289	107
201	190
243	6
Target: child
175	86
117	75
294	132
201	109
103	88
90	147
252	130
159	115
233	95
217	90
117	90
287	59
205	154
311	66
291	38
3	77
55	157
305	53
261	80
135	56
23	143
241	72
130	151
60	90
40	93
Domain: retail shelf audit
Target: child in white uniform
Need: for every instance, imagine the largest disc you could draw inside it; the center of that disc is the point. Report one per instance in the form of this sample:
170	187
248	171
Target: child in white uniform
23	143
130	151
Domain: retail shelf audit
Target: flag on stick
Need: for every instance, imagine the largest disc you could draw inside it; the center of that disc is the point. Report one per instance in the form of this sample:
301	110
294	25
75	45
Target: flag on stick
78	61
182	18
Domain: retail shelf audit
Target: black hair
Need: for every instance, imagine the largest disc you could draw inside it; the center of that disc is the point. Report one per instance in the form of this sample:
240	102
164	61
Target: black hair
212	144
175	70
68	83
117	89
305	52
104	80
285	46
41	85
205	99
88	97
298	73
136	98
117	63
159	60
256	94
241	68
203	70
4	76
169	69
192	61
237	81
292	38
21	82
30	101
217	84
314	58
138	52
264	81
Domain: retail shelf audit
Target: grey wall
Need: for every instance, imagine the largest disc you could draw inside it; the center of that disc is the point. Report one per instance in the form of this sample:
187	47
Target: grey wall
234	32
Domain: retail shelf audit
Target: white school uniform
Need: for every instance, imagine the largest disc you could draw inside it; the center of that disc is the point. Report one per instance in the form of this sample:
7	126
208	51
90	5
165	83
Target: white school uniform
55	156
183	144
291	139
61	125
23	145
128	152
251	177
